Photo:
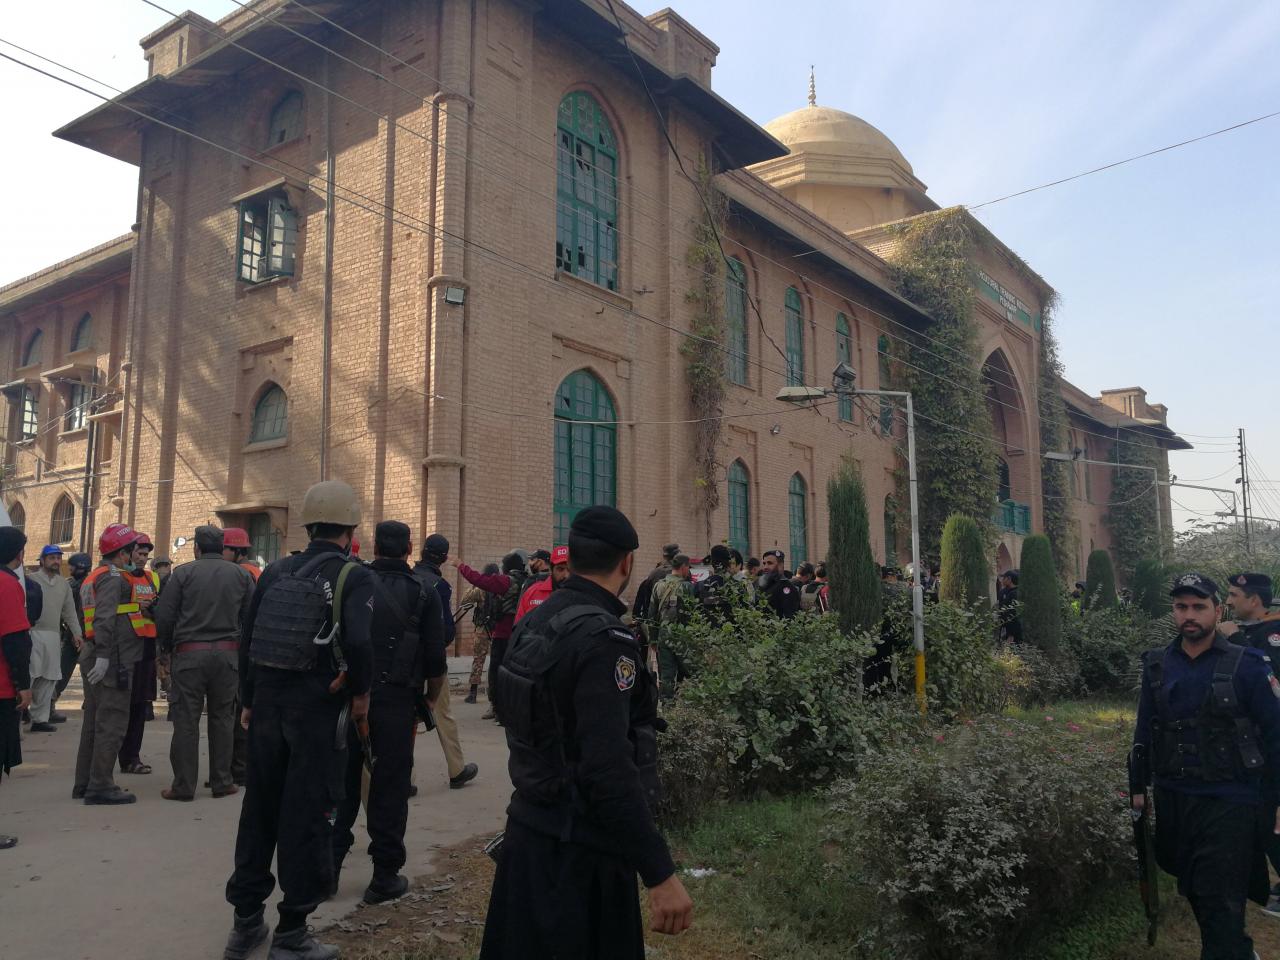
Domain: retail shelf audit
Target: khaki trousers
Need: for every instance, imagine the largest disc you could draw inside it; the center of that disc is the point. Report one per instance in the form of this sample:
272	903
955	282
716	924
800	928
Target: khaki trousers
106	720
198	677
447	729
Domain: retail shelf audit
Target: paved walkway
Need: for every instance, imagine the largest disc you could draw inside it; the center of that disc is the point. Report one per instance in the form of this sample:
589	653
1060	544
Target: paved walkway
146	880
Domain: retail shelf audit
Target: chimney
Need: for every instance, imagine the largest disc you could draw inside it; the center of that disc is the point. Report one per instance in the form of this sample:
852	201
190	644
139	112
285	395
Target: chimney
180	40
685	50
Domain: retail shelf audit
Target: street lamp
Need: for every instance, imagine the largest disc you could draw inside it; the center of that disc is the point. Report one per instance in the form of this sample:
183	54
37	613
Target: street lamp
842	385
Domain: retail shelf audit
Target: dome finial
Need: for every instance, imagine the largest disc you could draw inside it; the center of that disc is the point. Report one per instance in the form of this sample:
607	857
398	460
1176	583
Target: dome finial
813	88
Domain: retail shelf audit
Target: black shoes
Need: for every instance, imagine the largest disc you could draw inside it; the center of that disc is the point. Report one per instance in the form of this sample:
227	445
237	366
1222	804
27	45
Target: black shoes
110	797
467	774
7	842
43	728
471	697
299	944
246	934
386	886
57	718
77	793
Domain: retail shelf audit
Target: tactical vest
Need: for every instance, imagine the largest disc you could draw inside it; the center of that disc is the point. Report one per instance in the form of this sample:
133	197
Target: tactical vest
1220	740
508	602
300	615
89	595
144	584
396	631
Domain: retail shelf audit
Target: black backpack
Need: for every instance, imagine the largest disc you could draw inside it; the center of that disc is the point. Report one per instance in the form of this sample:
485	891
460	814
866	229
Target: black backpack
508	602
298	615
403	644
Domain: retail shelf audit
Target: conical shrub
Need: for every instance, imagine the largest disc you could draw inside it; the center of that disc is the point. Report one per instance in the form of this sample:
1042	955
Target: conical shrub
851	568
966	576
1040	594
1099	582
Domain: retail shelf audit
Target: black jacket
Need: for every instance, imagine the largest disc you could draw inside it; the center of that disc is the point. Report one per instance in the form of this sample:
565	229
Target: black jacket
399	582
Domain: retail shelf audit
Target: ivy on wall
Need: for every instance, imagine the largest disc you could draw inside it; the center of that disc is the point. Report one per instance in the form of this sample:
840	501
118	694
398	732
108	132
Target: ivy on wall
1134	514
1055	485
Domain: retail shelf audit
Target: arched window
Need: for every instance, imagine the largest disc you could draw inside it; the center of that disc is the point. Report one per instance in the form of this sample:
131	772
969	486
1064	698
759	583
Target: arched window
798	513
17	516
82	338
739	508
586	449
270	416
32	352
735	321
586	191
30	424
884	369
890	531
795	338
844	354
63	527
286	119
1004	487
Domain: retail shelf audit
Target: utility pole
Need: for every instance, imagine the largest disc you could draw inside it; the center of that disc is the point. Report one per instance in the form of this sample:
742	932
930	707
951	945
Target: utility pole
1244	494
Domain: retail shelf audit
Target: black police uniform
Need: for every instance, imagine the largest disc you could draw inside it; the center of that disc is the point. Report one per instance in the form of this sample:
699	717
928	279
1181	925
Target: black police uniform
295	771
781	594
579	827
1209	730
399	672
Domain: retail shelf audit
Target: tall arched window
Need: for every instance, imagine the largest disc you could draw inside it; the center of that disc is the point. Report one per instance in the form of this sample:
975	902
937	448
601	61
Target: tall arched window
17	516
286	119
270	416
63	527
82	338
1004	486
30	414
739	508
890	531
884	368
586	191
844	354
586	449
798	514
31	354
795	338
735	313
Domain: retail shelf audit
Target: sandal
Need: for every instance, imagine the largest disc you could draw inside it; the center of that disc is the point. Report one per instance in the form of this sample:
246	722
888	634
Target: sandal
136	767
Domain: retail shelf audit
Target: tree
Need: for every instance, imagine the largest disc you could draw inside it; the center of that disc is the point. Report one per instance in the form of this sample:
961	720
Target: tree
851	568
1040	594
965	574
1150	588
1099	582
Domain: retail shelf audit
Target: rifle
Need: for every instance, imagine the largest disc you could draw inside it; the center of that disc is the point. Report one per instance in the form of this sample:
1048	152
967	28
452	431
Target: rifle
1144	840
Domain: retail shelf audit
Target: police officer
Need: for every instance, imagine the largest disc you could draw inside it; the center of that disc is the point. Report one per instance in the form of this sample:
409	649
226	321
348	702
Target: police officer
584	766
407	633
778	591
1208	737
307	654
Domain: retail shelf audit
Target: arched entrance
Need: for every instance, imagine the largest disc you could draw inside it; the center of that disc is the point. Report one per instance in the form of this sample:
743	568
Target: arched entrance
1013	482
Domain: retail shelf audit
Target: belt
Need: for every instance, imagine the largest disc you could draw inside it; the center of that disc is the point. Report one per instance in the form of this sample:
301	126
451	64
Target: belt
206	645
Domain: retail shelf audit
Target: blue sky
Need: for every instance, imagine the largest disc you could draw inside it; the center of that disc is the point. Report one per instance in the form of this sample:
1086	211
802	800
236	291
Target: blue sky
1168	268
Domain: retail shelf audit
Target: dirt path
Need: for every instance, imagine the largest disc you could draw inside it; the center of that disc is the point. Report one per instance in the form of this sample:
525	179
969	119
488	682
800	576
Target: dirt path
1179	938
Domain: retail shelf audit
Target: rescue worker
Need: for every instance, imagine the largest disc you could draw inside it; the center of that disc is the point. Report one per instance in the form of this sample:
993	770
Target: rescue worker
407	634
306	655
144	588
80	564
668	608
578	833
235	548
15	655
198	623
111	651
1208	738
536	595
506	587
428	573
539	570
58	613
772	584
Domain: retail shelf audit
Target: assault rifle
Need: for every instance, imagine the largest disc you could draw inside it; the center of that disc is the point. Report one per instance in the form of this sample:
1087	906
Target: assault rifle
1144	840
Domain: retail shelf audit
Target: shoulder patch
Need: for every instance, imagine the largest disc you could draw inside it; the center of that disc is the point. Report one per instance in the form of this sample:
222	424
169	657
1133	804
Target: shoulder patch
620	633
1273	639
624	674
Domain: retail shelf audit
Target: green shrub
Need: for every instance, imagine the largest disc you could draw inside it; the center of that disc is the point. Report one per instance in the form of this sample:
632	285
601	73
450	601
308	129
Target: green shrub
1151	588
786	695
1032	679
963	675
960	836
966	577
1040	595
851	568
693	762
1107	643
1099	582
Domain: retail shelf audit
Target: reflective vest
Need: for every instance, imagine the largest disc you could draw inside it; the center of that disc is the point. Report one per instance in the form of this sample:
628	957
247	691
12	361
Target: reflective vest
144	584
89	597
252	568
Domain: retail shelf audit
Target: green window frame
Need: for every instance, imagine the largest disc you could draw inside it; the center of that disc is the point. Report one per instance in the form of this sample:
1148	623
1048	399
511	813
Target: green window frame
844	354
267	239
1004	482
285	123
884	367
82	339
586	449
739	508
31	354
586	191
62	527
735	312
890	531
29	422
270	416
798	516
795	338
264	539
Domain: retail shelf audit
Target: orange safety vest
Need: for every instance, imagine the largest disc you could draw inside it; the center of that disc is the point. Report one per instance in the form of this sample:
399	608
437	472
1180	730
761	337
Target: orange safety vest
252	568
90	601
144	584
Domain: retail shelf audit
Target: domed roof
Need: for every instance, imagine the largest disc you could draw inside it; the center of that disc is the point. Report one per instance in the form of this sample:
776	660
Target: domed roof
815	129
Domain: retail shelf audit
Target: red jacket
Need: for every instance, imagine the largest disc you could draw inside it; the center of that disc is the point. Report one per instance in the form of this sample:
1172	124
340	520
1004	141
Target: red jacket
498	583
533	597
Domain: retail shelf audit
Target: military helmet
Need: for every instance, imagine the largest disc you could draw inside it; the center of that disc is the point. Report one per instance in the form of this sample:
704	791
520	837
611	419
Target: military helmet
330	501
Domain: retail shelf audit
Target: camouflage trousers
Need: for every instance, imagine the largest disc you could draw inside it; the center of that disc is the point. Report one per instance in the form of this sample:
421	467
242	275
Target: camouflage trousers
480	650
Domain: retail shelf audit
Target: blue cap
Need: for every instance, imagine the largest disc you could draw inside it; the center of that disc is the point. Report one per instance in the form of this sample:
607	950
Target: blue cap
50	551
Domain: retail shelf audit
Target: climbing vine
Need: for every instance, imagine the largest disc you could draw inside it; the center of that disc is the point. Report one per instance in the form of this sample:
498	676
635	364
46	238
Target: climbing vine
705	350
957	470
1055	483
1134	514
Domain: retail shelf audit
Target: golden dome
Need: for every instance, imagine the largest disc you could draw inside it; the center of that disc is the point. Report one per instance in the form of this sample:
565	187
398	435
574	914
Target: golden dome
824	130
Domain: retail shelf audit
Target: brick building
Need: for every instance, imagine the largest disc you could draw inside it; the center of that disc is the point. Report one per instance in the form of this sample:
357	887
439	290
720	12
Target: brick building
440	250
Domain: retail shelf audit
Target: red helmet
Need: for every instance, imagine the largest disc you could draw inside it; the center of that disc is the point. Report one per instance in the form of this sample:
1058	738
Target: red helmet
355	547
235	537
116	537
143	540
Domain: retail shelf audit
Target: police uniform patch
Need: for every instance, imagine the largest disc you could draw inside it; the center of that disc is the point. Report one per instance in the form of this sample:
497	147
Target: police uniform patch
624	674
1275	685
1274	639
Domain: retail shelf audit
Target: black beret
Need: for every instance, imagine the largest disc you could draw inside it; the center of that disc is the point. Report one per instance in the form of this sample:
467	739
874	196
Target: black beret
606	524
208	537
670	550
1195	583
437	545
1253	582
